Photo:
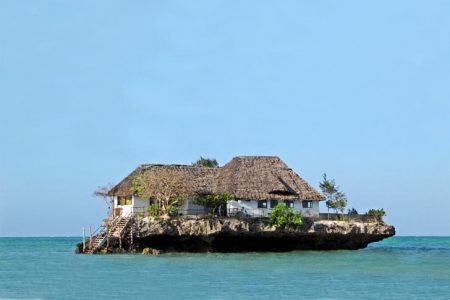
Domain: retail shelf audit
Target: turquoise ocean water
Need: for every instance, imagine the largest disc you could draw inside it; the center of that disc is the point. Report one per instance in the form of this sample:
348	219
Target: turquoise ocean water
397	268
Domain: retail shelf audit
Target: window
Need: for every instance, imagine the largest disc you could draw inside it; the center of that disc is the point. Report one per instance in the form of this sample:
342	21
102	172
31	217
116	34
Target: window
307	204
124	200
273	203
262	203
289	203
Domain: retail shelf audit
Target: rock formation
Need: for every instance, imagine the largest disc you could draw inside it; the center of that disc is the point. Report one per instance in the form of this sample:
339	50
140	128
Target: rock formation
233	235
238	235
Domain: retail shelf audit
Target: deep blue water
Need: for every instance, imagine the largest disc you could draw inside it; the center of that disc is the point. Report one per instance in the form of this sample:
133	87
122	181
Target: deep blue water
397	268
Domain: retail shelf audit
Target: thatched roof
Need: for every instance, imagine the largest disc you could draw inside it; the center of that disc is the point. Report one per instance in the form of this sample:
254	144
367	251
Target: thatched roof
245	177
201	180
264	177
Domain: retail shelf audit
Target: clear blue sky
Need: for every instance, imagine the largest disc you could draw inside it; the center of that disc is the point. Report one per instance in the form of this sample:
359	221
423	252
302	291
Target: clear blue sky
91	89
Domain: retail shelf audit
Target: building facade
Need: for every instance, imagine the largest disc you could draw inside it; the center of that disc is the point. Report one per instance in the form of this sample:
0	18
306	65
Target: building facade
258	184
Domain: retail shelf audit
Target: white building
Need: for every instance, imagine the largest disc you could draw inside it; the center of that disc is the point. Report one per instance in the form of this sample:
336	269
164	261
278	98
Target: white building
258	184
262	208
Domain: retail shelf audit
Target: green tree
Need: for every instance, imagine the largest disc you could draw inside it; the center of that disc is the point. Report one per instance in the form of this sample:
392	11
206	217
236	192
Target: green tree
376	214
340	202
335	199
206	162
214	201
352	211
329	189
282	217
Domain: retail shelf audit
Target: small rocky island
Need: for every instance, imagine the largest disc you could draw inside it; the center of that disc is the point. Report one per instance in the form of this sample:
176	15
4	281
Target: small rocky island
252	203
238	235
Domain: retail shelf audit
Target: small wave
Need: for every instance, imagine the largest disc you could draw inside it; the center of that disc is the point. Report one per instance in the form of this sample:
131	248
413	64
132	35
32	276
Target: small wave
409	248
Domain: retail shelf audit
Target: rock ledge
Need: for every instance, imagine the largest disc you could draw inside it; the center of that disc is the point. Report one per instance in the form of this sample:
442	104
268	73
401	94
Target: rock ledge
234	235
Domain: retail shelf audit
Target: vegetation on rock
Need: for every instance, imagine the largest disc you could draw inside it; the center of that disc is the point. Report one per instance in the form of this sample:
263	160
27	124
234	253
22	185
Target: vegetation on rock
206	162
214	201
153	210
376	214
284	217
164	186
340	203
335	199
352	211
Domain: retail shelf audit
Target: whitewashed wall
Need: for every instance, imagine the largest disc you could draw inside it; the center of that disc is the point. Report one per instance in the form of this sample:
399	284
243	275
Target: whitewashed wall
138	205
184	206
251	207
188	207
126	209
307	212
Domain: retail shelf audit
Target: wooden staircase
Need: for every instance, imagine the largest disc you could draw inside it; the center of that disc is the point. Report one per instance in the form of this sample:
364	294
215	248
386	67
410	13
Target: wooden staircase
97	242
117	229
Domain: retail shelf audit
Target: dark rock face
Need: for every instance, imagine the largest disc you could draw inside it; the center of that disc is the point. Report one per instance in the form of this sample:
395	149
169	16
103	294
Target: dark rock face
242	235
234	235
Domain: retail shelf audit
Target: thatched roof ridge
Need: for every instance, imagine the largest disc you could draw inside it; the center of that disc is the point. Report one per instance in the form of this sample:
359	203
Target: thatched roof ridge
246	177
124	186
264	177
202	180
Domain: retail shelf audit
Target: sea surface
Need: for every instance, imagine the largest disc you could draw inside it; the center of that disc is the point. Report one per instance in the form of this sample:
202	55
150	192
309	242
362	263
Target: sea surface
396	268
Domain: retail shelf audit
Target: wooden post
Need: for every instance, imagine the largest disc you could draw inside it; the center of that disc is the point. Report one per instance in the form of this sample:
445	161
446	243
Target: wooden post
84	240
107	235
131	231
90	237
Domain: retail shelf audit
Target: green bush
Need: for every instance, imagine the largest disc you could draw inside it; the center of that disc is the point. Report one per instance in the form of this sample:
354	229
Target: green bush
153	210
206	162
342	218
376	214
282	217
173	212
214	202
352	211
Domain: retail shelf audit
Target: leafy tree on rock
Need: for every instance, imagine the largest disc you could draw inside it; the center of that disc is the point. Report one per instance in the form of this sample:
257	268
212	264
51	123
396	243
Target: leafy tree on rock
329	189
335	199
376	214
165	186
206	162
340	202
352	211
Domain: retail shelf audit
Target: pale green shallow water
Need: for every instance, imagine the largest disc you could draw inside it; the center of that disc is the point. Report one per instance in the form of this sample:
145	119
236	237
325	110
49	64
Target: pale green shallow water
397	268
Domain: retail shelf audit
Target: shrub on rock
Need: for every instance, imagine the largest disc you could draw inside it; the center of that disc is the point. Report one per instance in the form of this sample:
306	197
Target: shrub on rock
284	217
